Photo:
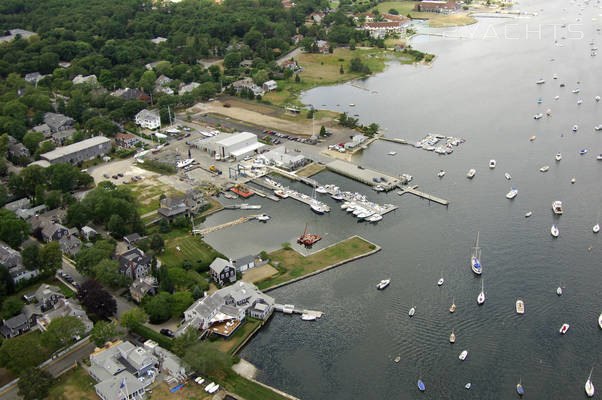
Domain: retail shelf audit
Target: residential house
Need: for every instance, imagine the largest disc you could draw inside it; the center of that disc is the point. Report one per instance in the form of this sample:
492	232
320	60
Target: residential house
317	16
26	213
70	244
164	89
368	17
89	79
247	262
228	305
188	88
63	308
47	296
152	65
44	129
171	364
291	64
323	46
163	80
9	257
88	232
132	238
140	287
222	271
148	119
444	7
14	326
297	38
53	231
379	30
134	263
17	204
126	140
20	273
13	33
287	3
17	149
33	77
270	85
122	370
58	122
189	204
132	94
158	40
248	83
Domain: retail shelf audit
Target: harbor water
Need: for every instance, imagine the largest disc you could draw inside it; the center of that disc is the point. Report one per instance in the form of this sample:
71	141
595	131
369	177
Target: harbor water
482	89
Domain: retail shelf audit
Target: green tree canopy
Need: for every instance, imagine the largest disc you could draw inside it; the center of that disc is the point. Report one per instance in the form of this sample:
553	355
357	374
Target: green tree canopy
62	331
133	317
34	384
103	332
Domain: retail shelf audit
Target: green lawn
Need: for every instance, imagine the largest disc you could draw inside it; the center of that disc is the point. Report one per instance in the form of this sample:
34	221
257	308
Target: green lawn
191	248
73	385
239	336
436	20
147	194
250	390
293	265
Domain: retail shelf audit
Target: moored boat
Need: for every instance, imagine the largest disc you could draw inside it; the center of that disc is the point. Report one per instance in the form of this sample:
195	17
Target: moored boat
559	291
554	231
582	151
321	189
541	81
441	173
519	388
575	128
600	321
471	173
412	311
392	153
589	386
528	214
383	284
557	207
596	228
558	156
545	168
564	328
463	355
492	164
421	386
468	386
532	138
520	306
281	193
507	176
538	116
512	193
452	337
481	296
475	258
452	308
263	217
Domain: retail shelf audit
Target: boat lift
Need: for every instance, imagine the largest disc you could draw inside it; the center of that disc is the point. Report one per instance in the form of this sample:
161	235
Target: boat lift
236	171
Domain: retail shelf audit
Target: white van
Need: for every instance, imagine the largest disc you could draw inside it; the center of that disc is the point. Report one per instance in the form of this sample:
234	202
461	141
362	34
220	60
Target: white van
218	157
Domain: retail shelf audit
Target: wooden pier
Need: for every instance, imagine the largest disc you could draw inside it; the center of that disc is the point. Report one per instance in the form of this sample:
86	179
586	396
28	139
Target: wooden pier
394	140
412	189
291	309
238	221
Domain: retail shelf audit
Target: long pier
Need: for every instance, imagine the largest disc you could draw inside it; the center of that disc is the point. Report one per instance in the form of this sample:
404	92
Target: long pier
412	190
291	309
365	175
394	140
238	221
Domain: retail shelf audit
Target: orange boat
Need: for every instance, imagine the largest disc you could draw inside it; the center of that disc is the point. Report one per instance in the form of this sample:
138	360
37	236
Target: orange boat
308	239
242	191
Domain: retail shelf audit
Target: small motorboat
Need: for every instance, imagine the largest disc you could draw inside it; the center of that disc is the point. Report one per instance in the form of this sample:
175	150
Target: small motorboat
440	281
392	153
538	116
557	207
441	174
412	311
512	193
397	359
421	386
564	328
582	151
471	173
579	102
597	98
520	306
337	196
492	164
596	228
573	180
463	355
545	168
598	127
539	101
558	156
452	337
600	321
452	308
589	386
559	291
540	82
599	157
528	214
383	284
562	85
351	105
308	317
263	217
575	128
532	138
519	388
556	98
481	296
554	231
577	90
321	189
468	386
507	176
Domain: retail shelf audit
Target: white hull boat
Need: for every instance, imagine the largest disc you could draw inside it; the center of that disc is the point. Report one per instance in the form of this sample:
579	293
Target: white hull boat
559	291
308	317
558	156
481	296
392	153
545	168
337	197
596	228
557	207
441	174
564	328
263	217
492	164
374	218
452	337
554	231
600	321
475	258
520	306
528	214
440	282
471	173
512	193
589	386
507	176
412	311
575	128
321	189
383	284
452	308
463	355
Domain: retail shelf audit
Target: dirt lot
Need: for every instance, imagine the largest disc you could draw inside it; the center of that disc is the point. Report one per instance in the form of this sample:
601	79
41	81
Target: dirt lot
127	167
257	274
258	116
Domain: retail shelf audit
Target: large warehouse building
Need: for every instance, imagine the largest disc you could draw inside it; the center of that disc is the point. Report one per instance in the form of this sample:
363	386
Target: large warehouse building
235	145
80	151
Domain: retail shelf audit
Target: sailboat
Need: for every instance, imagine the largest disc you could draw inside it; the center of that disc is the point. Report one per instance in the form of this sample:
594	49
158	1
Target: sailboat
452	308
589	386
520	306
600	321
421	386
441	281
519	387
596	227
554	231
412	311
559	291
481	297
475	258
452	337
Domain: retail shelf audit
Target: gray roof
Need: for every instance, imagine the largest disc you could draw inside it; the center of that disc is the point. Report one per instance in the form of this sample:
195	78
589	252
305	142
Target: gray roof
9	257
30	212
16	321
70	244
17	204
132	238
244	260
50	229
75	147
111	387
219	264
55	121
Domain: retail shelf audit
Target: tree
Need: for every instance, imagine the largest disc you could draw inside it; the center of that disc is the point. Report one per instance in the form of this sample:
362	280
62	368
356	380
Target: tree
11	307
206	359
31	140
136	316
21	352
32	176
117	226
87	258
393	11
157	242
147	80
62	331
159	308
50	258
164	226
341	70
287	73
53	199
34	384
260	77
322	131
29	255
96	299
183	342
13	230
103	332
107	272
77	215
232	60
180	301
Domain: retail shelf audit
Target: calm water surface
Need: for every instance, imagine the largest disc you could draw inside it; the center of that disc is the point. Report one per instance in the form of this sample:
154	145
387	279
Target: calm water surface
482	89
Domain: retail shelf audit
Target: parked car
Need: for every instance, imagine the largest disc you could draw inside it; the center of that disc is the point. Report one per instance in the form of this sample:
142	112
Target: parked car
360	167
166	332
227	105
120	175
115	177
105	176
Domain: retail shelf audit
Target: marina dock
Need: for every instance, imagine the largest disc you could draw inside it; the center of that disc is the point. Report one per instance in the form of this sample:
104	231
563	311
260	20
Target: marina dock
412	189
291	309
238	221
365	175
394	140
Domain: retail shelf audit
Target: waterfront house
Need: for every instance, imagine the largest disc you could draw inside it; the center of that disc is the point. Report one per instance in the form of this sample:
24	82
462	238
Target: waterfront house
148	119
270	85
126	140
444	7
187	205
224	310
222	271
379	30
134	263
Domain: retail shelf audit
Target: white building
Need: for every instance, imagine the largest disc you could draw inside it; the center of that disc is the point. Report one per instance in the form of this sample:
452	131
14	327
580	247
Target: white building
148	119
90	79
281	158
270	85
235	145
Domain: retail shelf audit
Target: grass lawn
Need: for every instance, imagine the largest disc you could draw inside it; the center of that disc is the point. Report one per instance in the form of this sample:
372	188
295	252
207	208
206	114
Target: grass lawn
310	169
250	390
436	20
230	344
148	192
191	248
190	391
75	384
293	265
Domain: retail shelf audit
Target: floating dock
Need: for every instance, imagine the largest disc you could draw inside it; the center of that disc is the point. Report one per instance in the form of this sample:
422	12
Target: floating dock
394	140
238	221
301	197
412	189
364	175
291	309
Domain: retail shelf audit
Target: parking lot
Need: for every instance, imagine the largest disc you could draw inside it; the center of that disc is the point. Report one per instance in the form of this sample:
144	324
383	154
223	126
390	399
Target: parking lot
127	168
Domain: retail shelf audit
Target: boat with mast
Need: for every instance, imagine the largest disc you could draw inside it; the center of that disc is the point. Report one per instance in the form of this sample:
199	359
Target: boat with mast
589	386
475	258
481	296
452	308
307	239
452	337
520	306
554	231
519	387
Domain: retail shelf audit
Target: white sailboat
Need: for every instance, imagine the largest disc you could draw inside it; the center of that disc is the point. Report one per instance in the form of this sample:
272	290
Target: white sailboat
475	258
554	231
471	173
589	386
412	311
441	281
481	296
600	321
452	308
559	290
507	176
520	306
452	337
